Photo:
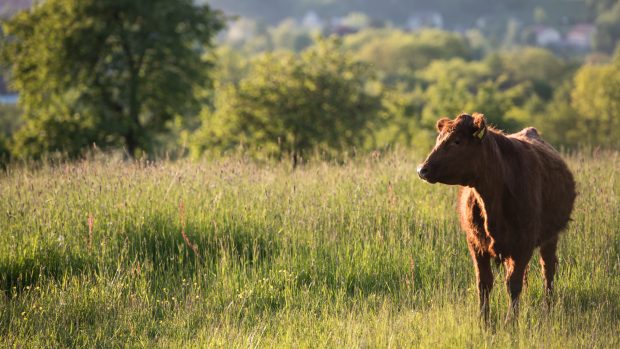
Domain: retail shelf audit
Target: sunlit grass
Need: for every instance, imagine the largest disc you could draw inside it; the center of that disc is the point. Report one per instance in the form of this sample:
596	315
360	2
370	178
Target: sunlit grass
355	255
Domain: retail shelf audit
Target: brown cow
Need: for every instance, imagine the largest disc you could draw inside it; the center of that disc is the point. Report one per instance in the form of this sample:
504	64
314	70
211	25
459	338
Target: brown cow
516	194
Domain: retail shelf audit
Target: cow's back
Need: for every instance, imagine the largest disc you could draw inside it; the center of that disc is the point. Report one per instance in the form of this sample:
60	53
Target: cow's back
557	183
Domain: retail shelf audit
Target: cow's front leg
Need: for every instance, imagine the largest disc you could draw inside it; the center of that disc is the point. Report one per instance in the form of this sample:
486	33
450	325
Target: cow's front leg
484	279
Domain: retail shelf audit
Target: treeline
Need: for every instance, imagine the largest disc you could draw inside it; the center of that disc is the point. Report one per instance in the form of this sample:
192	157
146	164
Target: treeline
281	100
146	77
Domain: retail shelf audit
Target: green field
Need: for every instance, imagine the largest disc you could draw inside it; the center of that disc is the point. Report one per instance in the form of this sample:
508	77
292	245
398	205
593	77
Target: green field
361	254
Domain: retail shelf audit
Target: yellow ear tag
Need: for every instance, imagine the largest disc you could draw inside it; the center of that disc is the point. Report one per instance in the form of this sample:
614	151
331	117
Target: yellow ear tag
479	133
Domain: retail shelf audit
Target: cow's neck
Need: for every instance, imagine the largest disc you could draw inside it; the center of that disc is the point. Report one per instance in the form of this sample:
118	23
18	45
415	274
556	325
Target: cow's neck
490	183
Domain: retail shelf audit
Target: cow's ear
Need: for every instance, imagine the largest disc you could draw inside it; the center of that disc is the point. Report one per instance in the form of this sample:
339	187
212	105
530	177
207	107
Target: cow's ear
480	126
442	123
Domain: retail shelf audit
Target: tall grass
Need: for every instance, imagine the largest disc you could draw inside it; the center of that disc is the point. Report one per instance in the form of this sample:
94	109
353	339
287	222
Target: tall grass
233	253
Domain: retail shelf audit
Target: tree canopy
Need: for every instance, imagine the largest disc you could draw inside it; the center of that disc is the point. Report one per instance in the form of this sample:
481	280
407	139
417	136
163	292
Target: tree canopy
288	103
596	96
112	72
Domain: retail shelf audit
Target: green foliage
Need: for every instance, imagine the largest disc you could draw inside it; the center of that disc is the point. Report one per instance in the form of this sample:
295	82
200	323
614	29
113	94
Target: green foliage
596	96
455	69
232	65
607	32
584	110
10	120
57	128
534	64
288	36
378	88
107	71
357	20
449	98
400	121
355	255
457	86
288	103
395	52
561	124
511	88
4	150
253	36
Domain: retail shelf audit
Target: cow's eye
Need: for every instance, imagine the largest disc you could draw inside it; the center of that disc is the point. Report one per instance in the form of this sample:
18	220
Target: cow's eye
456	142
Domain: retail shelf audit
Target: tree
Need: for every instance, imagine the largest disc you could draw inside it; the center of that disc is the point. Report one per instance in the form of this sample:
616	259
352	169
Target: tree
596	96
288	35
107	71
607	32
532	64
457	86
447	98
536	66
9	120
395	52
561	123
293	104
400	123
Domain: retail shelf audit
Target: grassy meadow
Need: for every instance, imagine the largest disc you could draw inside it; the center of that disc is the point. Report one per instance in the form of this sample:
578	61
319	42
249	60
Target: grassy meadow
233	253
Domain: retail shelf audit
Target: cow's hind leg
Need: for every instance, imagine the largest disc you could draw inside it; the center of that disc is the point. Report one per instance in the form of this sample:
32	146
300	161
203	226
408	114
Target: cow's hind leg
484	279
515	271
548	263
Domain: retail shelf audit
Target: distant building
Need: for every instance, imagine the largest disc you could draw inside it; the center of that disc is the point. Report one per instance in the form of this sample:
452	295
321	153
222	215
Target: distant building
429	19
546	36
580	36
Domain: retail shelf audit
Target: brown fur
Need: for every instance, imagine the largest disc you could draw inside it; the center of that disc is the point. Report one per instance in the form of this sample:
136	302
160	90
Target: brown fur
516	194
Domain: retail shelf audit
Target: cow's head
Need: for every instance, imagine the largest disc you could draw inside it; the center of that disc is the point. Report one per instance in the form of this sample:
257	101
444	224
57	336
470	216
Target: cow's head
456	155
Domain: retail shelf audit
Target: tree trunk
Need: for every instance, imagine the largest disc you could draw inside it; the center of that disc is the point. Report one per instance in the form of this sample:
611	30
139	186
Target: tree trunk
294	159
133	133
131	143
